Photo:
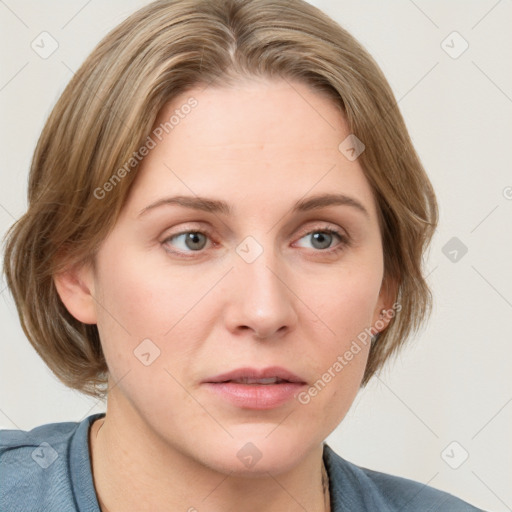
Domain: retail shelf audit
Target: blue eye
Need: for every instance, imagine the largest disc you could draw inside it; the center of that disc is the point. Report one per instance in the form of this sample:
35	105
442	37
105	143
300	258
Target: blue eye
191	240
322	239
187	243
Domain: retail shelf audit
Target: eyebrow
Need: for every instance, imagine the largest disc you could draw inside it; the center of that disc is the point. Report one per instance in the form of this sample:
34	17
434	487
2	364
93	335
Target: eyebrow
217	206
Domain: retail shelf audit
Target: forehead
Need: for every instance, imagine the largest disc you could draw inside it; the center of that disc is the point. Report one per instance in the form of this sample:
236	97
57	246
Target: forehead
276	114
261	140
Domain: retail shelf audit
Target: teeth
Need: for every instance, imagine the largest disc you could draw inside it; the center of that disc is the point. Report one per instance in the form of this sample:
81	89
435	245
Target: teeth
249	380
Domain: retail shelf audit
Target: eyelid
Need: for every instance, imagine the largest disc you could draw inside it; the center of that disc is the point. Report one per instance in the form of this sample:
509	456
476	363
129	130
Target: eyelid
191	228
325	226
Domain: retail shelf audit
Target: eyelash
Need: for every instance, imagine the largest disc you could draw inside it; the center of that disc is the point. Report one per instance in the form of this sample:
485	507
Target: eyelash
343	241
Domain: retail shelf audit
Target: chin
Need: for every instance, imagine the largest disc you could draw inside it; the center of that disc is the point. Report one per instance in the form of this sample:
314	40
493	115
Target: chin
257	453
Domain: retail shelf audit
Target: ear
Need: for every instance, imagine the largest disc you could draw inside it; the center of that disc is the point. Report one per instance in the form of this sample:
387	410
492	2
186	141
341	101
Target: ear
386	307
75	286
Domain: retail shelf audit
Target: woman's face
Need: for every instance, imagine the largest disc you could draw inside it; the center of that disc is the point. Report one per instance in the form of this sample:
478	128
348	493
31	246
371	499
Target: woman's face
252	271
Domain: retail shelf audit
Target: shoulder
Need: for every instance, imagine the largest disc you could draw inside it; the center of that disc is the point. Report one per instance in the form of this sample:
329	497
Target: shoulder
357	488
36	466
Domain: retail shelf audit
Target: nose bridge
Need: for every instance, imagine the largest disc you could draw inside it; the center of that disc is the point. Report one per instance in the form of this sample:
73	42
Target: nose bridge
263	301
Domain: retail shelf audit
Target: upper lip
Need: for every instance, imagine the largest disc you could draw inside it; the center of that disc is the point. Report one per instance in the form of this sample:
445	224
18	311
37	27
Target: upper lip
255	373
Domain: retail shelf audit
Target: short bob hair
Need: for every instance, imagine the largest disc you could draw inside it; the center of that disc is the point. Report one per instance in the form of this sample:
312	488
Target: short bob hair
109	108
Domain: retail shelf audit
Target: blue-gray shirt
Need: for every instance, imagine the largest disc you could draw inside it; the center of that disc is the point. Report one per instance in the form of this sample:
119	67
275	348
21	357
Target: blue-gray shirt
48	469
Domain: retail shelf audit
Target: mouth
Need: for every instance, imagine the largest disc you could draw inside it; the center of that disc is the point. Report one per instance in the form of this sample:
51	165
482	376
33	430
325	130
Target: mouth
263	382
250	388
263	376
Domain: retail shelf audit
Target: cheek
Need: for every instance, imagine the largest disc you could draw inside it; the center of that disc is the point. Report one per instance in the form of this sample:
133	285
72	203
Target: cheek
345	304
142	296
140	299
345	312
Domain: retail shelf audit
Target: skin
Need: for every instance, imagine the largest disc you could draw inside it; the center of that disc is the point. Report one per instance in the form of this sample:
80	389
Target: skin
167	443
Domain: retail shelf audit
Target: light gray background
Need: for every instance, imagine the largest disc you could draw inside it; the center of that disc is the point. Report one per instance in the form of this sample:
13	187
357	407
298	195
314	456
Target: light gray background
453	381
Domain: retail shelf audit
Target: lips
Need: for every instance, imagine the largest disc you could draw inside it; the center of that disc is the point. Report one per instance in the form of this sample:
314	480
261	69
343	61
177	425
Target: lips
259	389
264	376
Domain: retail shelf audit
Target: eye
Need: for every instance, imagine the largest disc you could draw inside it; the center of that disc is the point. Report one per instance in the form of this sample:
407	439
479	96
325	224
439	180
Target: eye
188	241
322	239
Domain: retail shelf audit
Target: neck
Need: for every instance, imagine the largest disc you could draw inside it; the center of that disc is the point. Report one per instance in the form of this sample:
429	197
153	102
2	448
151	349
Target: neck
133	469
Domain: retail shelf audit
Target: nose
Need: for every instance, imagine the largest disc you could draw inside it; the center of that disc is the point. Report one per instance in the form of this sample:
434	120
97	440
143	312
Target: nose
261	300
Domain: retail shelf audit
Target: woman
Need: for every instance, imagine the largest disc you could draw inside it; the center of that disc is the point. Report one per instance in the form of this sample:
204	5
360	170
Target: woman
225	231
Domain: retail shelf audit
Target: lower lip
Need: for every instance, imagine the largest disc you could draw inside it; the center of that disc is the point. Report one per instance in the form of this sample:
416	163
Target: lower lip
255	396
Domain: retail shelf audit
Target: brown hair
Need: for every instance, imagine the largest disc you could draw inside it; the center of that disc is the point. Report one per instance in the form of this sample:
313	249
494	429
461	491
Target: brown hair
108	109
